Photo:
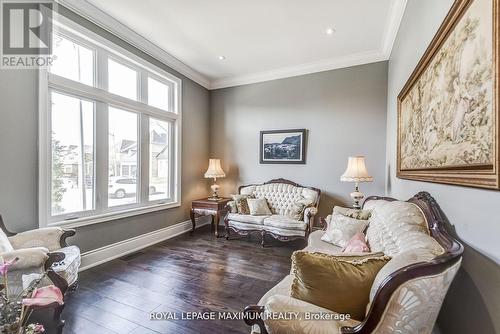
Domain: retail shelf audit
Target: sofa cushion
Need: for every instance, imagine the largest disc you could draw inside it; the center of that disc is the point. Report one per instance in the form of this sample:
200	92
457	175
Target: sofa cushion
285	222
258	207
258	220
341	229
338	283
396	227
280	196
315	244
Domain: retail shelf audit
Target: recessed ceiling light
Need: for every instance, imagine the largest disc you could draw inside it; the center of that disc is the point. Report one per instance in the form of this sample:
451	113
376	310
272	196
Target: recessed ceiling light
222	58
329	31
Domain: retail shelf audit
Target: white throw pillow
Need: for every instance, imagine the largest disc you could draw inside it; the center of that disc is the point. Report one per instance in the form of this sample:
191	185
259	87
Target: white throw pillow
341	229
5	245
258	207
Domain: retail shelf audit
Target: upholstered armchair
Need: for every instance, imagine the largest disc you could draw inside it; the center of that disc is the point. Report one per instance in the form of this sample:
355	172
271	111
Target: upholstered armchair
39	250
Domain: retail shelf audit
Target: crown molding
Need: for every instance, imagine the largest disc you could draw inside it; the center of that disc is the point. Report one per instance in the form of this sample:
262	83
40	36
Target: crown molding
394	18
109	23
302	69
396	13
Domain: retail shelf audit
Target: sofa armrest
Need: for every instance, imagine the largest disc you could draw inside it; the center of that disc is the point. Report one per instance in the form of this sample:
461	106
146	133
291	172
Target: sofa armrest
52	238
231	207
28	258
325	222
309	214
329	322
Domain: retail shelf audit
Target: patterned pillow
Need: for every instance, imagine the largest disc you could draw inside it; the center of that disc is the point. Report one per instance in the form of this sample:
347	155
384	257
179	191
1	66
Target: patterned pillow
353	213
258	207
341	229
242	204
297	209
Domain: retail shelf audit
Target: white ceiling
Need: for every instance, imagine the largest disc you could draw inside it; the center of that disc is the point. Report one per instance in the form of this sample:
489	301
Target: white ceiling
260	39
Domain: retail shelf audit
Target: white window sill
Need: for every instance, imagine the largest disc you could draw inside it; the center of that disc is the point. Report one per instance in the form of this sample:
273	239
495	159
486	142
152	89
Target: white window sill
109	216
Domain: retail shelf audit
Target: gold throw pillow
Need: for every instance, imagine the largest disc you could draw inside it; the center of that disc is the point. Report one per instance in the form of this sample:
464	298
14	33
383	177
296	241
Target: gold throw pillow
340	283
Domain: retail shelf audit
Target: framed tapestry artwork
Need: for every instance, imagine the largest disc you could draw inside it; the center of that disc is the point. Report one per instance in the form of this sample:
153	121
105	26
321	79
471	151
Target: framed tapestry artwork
448	115
283	146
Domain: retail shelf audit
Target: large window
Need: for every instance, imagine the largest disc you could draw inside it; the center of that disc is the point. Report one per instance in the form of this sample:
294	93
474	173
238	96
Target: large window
109	132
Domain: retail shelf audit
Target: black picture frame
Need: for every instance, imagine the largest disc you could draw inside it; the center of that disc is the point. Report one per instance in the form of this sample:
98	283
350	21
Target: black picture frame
267	135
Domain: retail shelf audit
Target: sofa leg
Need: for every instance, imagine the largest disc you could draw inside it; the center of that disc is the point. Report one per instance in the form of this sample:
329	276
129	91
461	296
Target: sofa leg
263	233
57	319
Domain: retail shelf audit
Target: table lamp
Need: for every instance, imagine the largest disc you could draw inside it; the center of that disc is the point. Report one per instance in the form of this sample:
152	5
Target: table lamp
356	172
214	171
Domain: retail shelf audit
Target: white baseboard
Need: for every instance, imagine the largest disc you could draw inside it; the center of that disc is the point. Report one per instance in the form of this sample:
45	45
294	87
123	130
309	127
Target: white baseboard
110	252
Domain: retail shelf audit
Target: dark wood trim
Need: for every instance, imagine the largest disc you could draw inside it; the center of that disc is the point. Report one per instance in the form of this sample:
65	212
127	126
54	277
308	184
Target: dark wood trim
303	144
437	228
4	228
66	234
253	316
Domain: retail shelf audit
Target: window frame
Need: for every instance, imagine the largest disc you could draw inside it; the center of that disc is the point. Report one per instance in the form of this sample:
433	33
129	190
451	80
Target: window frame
103	50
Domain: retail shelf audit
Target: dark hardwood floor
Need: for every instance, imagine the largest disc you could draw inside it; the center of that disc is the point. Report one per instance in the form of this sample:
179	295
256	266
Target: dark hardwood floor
187	273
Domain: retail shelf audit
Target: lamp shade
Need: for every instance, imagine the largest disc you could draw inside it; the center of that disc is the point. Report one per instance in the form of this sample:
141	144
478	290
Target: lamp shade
356	171
214	169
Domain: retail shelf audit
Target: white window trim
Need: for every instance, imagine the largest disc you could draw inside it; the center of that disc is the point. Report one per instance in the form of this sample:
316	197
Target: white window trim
79	89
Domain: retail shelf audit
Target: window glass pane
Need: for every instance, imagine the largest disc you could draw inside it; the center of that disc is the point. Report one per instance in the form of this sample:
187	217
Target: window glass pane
72	186
72	61
122	141
159	171
157	94
122	80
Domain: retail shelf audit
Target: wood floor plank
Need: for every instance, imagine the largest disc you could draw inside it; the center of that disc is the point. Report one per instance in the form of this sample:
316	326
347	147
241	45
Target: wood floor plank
189	273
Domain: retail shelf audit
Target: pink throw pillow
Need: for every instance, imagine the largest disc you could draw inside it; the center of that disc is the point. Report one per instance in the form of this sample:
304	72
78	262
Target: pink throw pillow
357	244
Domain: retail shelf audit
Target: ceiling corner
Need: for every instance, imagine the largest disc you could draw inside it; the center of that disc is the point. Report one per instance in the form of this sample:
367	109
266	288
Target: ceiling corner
396	13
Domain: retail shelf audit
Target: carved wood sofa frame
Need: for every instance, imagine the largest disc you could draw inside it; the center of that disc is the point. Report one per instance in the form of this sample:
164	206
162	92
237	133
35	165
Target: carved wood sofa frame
60	282
453	251
264	233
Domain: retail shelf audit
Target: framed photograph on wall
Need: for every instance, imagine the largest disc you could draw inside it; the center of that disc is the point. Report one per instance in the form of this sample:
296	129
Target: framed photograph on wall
448	117
283	146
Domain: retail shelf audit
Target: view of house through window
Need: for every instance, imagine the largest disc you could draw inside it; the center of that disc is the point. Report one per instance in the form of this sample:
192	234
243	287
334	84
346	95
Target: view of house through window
103	136
72	154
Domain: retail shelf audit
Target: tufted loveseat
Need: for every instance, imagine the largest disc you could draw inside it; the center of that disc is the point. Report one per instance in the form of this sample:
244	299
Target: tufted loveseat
407	292
280	195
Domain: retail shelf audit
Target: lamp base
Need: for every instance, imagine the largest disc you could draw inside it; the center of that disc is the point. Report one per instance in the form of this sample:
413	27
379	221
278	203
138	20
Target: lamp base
357	197
215	188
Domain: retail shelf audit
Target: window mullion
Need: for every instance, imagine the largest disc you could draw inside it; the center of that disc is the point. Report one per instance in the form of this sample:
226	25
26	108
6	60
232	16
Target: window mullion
144	159
102	152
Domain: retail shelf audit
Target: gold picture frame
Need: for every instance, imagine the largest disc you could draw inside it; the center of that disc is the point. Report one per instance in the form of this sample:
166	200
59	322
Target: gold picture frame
438	145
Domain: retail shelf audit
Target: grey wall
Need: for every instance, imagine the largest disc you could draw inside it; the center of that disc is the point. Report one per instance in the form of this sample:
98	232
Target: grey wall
19	155
473	302
343	110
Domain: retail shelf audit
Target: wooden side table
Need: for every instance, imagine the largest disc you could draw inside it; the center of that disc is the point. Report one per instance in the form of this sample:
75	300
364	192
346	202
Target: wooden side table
204	207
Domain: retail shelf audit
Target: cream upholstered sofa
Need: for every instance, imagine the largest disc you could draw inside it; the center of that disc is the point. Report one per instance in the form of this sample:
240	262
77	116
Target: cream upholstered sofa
280	195
408	291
